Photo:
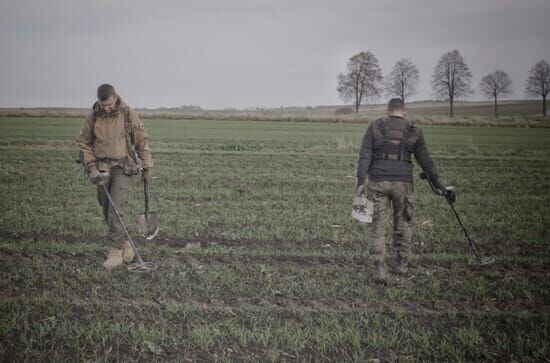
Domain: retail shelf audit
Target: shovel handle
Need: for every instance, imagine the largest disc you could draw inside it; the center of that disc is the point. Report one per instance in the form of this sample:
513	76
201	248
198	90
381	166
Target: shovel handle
146	193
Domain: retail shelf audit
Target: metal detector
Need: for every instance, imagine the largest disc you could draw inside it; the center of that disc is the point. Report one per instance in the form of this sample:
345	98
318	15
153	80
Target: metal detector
478	260
140	265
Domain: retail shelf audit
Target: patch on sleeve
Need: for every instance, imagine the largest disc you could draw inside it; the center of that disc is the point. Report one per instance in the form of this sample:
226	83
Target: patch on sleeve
141	127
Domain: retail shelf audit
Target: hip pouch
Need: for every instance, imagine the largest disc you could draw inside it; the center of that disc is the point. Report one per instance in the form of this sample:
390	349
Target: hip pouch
133	164
408	210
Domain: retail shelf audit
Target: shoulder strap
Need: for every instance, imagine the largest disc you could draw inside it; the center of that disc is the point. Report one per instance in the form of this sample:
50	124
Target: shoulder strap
383	128
128	130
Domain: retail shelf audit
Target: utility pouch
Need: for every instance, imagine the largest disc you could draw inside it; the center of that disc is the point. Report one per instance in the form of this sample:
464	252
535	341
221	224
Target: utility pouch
408	210
133	164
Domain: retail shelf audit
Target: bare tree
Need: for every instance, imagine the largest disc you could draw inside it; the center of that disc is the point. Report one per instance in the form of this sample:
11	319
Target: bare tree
362	80
538	82
495	84
451	78
402	80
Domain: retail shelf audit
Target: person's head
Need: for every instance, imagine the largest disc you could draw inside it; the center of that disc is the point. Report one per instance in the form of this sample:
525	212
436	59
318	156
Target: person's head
396	107
106	98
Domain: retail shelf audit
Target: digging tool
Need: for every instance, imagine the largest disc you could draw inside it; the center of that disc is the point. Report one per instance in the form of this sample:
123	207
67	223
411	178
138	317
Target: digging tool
140	265
148	222
450	196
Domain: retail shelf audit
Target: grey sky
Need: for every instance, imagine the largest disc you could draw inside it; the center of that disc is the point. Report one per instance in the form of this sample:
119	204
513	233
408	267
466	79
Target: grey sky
249	53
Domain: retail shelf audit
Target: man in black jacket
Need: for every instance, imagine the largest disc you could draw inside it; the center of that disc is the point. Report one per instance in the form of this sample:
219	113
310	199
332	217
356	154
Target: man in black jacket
385	165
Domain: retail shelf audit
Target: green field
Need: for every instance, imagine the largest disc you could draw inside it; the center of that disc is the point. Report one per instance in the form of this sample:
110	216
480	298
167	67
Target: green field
259	258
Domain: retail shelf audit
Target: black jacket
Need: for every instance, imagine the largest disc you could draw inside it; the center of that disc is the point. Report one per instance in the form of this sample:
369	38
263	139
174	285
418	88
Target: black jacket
387	148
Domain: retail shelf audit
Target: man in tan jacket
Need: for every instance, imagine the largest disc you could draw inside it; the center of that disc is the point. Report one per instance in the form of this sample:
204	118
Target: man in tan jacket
111	137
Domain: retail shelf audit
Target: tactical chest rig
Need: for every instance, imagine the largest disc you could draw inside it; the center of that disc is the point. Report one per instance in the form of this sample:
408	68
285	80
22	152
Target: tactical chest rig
398	140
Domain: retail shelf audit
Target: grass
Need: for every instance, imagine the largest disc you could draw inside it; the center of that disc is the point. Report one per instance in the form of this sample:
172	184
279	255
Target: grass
259	260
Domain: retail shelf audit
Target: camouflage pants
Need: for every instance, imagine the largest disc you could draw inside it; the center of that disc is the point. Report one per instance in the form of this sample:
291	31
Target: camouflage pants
119	188
396	197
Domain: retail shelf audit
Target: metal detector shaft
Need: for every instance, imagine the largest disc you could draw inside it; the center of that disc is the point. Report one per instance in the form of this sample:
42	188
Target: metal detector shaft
472	244
121	221
424	175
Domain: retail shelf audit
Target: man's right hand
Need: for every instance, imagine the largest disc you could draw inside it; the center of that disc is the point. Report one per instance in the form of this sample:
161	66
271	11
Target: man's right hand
93	175
98	178
450	194
360	191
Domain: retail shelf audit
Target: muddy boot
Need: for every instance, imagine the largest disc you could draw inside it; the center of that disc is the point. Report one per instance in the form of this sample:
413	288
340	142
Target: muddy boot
402	265
127	252
114	259
380	272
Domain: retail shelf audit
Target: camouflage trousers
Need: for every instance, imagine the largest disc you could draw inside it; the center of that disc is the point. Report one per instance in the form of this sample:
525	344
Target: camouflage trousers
396	198
119	189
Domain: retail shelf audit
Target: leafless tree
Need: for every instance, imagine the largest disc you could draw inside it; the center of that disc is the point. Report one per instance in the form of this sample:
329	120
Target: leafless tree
495	84
402	80
363	79
451	78
538	82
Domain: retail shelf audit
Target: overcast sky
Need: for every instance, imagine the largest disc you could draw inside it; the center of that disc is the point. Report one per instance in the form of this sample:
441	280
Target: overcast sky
251	53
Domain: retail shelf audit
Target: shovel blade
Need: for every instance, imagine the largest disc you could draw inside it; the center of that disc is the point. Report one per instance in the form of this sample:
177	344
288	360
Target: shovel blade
148	224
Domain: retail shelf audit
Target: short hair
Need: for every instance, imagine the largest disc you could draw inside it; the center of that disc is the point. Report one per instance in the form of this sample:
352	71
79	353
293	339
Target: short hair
396	104
105	91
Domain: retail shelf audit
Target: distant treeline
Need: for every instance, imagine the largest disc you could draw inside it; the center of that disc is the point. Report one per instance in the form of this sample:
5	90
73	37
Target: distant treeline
513	113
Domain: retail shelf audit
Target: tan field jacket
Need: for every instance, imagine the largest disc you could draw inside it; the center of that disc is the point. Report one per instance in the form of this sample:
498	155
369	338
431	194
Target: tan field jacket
103	138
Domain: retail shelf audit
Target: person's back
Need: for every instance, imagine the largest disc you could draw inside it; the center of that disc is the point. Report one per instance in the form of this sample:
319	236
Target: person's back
394	142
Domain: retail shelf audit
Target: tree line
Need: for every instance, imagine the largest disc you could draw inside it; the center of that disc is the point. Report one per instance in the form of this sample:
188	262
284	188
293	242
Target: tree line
451	80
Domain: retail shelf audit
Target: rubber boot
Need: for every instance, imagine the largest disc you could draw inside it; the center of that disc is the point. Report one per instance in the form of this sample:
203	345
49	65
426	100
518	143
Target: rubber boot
127	252
114	259
380	272
402	265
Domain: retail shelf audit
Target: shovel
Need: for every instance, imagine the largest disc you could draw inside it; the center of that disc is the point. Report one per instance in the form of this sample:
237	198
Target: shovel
148	222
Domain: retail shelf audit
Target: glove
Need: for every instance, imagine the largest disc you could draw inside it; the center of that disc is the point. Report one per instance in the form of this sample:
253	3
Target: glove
450	194
93	175
146	175
440	188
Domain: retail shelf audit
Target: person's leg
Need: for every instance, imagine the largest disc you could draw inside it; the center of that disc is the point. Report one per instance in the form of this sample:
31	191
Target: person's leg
103	201
119	189
402	198
377	193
